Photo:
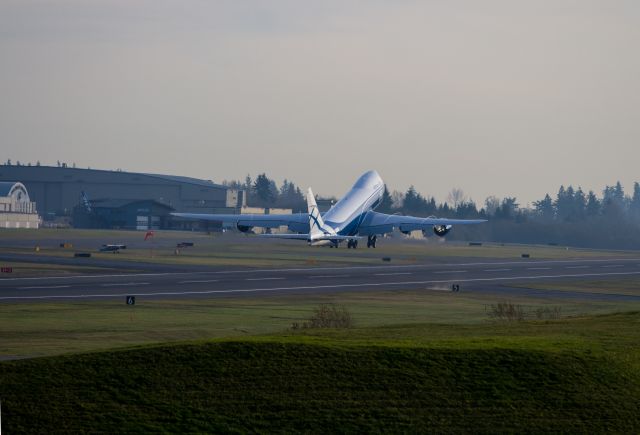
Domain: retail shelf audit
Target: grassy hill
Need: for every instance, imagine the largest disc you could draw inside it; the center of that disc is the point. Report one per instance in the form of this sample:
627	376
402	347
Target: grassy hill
577	375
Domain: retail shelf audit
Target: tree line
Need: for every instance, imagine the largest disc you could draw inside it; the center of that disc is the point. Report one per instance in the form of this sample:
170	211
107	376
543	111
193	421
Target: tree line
264	192
570	217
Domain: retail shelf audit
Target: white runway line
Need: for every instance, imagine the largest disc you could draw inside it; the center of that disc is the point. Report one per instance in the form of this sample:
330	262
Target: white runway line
576	267
317	287
318	269
263	279
120	284
496	270
329	276
614	265
450	271
194	281
538	268
43	287
393	274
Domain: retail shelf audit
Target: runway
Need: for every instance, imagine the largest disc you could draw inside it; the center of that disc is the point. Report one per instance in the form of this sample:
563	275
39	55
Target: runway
493	276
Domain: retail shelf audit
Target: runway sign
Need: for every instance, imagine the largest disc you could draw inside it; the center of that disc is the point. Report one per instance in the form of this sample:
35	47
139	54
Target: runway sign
6	269
131	300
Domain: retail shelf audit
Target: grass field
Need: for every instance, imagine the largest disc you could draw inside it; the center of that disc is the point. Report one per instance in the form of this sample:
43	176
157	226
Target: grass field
416	361
628	286
233	249
53	328
573	375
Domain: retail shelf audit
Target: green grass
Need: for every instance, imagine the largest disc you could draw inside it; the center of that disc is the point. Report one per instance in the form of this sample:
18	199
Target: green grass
232	249
573	375
628	286
29	329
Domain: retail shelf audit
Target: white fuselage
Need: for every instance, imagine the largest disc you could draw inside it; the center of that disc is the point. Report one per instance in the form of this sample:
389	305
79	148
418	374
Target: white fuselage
347	214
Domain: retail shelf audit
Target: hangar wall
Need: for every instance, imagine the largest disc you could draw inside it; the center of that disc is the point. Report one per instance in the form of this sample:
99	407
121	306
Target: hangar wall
57	190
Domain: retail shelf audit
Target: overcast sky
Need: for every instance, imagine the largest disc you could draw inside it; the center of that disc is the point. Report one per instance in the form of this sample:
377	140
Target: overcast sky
506	98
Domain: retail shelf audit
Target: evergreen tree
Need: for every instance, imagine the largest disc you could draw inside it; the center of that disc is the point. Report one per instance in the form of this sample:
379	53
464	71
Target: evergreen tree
444	210
466	210
411	201
544	208
248	183
579	206
592	208
491	205
634	206
291	197
273	193
284	189
619	192
263	188
432	207
613	201
564	203
386	204
508	209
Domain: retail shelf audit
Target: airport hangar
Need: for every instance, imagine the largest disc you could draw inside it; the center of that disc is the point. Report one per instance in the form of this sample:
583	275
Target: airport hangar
119	199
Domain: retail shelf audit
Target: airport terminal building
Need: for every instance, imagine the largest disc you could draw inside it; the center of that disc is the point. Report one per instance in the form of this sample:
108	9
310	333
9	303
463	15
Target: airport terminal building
59	191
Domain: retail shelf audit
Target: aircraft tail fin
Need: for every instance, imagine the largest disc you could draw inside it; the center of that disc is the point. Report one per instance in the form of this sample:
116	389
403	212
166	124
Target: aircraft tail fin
317	227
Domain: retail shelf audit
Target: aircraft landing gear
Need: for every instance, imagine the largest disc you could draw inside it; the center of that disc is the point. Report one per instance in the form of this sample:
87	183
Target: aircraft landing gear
371	241
352	244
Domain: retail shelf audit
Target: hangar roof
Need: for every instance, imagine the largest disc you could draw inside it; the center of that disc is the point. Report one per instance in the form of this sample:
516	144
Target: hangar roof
182	179
69	170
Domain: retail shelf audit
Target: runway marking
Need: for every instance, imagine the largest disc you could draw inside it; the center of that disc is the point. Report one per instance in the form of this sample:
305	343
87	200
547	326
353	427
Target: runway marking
43	287
318	269
120	284
115	275
496	270
193	281
614	265
450	271
576	267
263	279
394	273
316	287
329	276
538	268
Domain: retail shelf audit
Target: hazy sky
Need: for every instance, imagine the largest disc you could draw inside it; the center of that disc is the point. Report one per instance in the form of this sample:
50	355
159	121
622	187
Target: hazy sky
507	98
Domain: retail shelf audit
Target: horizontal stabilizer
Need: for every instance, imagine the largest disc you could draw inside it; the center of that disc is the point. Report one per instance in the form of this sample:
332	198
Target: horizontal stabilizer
308	236
285	236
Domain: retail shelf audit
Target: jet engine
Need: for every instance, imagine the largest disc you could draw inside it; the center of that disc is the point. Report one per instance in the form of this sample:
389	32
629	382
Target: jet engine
441	230
244	228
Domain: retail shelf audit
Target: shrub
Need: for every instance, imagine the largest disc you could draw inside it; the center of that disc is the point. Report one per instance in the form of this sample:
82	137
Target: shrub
507	311
327	316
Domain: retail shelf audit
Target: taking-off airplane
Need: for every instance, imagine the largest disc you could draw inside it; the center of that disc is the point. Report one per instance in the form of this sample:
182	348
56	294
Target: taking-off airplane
351	219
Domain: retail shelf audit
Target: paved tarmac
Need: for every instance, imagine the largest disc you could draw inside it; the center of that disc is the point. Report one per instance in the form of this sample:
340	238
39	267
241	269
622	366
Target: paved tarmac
491	276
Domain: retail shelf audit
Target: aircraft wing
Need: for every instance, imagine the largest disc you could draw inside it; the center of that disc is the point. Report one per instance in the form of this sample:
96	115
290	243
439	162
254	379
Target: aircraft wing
379	223
297	222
